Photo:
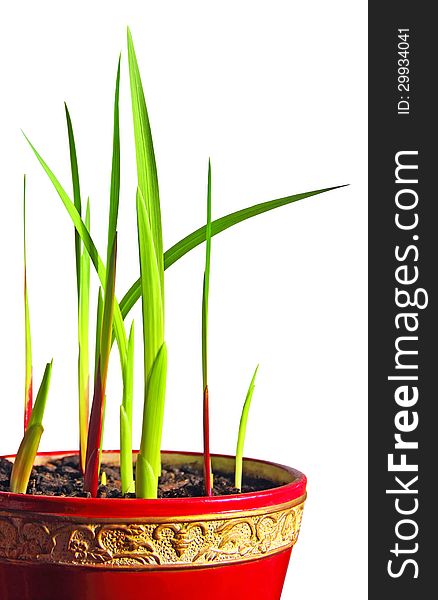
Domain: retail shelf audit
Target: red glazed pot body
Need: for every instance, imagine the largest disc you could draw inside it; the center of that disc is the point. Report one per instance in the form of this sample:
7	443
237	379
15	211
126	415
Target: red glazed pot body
235	547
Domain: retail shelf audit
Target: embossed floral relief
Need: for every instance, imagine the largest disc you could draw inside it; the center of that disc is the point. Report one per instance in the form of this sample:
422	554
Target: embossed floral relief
191	542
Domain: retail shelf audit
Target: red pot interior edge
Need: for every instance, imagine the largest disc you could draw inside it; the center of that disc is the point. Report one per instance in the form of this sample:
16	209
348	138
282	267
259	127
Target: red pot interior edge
163	507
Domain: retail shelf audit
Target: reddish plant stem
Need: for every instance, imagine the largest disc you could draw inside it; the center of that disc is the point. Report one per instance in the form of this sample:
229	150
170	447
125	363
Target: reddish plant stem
92	462
207	460
94	440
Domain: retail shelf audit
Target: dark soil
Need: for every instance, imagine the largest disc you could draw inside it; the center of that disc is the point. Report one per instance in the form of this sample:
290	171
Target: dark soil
62	477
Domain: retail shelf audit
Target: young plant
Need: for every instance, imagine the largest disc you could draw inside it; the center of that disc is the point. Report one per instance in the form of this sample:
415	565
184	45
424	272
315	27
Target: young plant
33	415
92	465
83	263
28	394
127	361
242	433
83	260
197	237
150	245
150	286
83	344
119	329
208	477
29	445
173	254
83	291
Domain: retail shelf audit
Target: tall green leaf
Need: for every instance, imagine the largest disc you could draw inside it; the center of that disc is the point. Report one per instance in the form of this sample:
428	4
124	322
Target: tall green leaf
91	249
242	432
205	295
152	284
144	149
83	339
126	469
76	193
29	445
28	393
198	237
151	277
155	356
115	171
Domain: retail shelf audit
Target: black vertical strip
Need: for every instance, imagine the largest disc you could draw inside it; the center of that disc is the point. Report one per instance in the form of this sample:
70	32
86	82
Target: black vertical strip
402	118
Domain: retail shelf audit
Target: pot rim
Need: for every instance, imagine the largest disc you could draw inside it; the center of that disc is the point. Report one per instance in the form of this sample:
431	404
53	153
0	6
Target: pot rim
137	507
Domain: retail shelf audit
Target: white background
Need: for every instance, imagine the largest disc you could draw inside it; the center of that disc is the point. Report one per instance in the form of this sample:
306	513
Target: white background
275	93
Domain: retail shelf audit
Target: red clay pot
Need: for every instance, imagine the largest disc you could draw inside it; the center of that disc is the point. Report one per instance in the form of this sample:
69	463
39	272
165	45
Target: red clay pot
223	547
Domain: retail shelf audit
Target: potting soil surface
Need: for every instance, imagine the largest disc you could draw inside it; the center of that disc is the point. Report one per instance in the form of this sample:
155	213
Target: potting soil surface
62	477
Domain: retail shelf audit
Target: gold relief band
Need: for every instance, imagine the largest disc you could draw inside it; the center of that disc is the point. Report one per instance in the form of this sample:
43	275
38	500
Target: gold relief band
149	543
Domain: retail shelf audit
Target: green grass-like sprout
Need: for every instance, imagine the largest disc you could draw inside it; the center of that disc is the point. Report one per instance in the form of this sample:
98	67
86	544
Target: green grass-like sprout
242	433
83	342
208	475
29	445
150	243
155	358
82	259
111	314
28	394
